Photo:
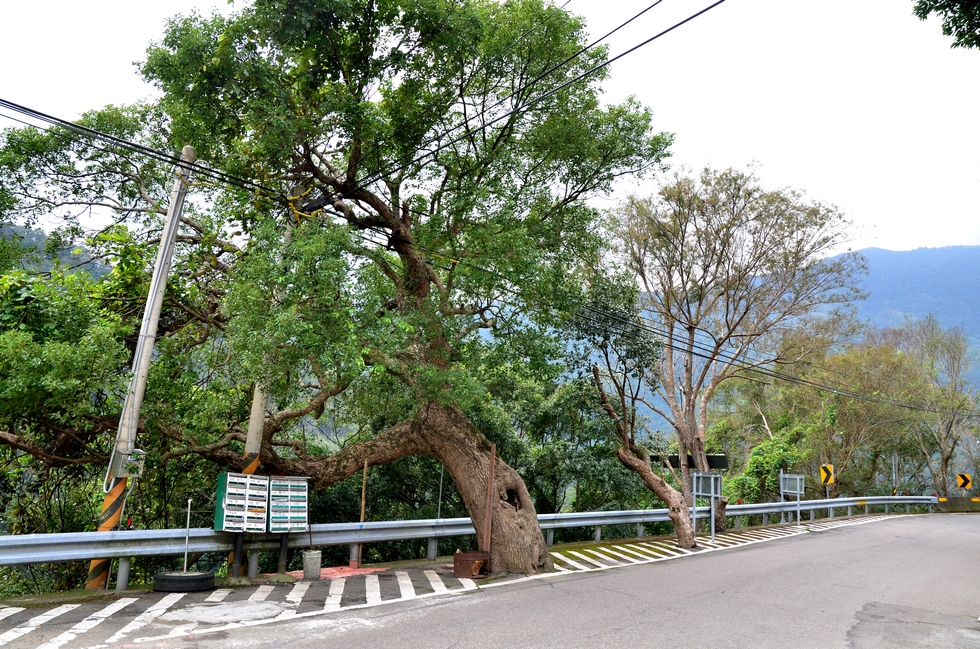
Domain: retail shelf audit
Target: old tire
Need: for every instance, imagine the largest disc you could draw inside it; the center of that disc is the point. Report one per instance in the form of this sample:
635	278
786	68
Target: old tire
183	582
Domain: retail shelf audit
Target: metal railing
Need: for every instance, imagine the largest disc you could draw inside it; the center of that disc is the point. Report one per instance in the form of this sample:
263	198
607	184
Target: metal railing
82	546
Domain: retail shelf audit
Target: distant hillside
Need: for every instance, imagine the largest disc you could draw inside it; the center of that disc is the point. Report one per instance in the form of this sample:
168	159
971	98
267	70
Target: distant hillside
77	257
942	281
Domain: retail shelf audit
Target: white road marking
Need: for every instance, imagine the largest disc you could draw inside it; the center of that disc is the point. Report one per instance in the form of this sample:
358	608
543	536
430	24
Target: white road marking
405	585
218	595
615	552
585	558
336	592
437	585
146	617
35	622
372	590
574	564
295	596
89	623
605	557
648	555
261	593
608	554
10	610
468	584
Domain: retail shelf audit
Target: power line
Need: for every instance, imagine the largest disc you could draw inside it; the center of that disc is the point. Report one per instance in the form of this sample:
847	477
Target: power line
375	176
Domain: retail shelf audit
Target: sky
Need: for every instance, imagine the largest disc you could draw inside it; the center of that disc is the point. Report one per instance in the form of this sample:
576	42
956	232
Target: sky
855	102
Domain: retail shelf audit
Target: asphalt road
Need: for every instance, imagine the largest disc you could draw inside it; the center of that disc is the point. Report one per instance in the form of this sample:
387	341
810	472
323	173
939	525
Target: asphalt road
903	582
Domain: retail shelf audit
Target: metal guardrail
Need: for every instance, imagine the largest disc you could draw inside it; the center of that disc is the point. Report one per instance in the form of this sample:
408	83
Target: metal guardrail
81	546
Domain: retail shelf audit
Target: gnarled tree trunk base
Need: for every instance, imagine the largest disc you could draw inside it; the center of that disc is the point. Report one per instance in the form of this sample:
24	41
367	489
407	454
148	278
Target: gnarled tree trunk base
446	434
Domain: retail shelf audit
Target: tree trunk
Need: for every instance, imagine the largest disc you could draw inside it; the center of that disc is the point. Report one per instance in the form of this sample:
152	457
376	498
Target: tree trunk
446	434
721	516
676	507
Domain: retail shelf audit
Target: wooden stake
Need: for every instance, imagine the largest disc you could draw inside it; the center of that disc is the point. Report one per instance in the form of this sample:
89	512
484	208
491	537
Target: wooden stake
486	520
360	546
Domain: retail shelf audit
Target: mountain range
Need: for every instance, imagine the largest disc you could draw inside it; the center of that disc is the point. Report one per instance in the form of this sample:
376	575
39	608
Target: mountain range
942	281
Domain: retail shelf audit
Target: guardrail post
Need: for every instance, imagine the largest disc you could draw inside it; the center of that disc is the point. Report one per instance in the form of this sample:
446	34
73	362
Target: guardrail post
930	508
253	564
830	512
122	574
850	509
433	549
598	533
813	514
550	538
738	522
355	555
765	519
908	508
867	509
639	530
886	508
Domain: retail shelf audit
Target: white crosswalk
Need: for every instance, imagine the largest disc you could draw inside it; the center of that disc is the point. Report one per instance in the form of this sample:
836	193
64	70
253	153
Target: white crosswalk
302	599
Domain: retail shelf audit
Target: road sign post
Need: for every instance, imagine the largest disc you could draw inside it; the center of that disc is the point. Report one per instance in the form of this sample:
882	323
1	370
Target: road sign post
705	485
791	484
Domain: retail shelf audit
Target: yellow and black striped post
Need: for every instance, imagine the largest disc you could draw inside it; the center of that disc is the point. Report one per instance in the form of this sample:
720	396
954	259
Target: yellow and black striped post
112	507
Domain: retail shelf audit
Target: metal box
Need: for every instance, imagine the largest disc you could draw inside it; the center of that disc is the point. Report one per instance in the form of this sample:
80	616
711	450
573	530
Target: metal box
289	504
242	504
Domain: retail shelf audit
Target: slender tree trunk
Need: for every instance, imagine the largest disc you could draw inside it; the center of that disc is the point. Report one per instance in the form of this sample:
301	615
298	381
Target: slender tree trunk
676	507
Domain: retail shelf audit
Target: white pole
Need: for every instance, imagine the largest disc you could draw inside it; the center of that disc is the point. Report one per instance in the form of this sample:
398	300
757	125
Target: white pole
187	537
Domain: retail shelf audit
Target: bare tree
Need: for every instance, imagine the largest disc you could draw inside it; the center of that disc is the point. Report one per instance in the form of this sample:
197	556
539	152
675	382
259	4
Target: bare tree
725	264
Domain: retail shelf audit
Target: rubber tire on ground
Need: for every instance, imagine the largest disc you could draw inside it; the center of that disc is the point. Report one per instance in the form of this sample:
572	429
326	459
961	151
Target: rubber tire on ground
183	582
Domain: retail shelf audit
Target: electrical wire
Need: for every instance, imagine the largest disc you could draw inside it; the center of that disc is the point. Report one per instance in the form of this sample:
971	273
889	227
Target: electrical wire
695	350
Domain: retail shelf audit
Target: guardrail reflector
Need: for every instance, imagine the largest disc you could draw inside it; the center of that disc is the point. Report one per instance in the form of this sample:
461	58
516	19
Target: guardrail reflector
942	500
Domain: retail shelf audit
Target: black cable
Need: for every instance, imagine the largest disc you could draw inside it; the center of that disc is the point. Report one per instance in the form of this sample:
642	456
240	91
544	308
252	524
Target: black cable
360	184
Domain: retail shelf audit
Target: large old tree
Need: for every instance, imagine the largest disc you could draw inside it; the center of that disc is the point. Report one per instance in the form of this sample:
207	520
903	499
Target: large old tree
442	172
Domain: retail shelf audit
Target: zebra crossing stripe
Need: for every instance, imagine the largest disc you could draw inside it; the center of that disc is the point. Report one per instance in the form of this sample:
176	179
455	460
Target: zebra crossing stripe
372	590
10	610
261	593
405	585
336	592
437	586
468	584
35	622
146	617
218	595
295	596
89	623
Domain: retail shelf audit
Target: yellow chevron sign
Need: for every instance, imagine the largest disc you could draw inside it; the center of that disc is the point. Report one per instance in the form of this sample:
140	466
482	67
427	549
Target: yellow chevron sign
963	480
826	474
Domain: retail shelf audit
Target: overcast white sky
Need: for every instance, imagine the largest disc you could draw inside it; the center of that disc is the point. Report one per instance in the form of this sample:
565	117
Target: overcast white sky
856	102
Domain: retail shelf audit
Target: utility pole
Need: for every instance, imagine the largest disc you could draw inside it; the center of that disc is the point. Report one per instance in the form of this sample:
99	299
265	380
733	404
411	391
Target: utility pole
126	461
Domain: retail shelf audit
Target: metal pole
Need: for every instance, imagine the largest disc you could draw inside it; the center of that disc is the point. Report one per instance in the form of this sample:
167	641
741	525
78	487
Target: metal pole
187	535
117	474
797	505
712	516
